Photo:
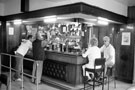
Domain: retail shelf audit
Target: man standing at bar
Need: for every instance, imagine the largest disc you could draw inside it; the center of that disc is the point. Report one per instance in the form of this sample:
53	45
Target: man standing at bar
20	53
39	56
108	53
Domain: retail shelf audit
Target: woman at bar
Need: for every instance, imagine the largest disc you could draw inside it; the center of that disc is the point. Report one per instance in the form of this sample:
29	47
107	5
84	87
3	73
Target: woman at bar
92	53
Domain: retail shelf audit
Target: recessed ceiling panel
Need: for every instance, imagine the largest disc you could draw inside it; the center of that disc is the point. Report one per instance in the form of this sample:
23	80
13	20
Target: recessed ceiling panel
55	0
127	2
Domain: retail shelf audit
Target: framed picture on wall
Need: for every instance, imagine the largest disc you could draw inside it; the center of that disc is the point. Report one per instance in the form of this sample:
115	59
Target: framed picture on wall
126	38
11	31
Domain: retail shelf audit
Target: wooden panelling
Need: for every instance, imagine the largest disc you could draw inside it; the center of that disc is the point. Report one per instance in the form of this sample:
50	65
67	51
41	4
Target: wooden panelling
74	74
24	5
125	63
95	31
64	57
85	38
131	14
102	32
73	64
1	18
3	38
14	40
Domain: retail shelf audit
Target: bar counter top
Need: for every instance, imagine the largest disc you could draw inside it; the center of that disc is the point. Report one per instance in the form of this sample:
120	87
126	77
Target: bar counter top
72	58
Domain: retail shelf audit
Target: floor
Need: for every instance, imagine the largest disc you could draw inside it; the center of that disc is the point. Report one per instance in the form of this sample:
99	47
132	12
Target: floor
46	86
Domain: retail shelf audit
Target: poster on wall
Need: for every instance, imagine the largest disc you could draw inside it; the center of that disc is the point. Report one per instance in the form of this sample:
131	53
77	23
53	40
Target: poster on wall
126	38
11	31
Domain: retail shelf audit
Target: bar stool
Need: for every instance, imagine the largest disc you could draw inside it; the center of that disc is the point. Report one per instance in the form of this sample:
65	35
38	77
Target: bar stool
111	75
100	71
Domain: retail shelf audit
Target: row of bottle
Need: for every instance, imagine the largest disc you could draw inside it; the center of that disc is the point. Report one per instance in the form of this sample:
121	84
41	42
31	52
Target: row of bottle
62	48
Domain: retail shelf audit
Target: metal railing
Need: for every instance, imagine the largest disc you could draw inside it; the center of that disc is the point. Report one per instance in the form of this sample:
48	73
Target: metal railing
12	69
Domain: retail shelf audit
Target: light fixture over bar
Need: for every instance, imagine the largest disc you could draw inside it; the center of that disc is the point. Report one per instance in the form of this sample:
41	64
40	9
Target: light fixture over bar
130	27
50	19
17	21
7	23
103	19
101	22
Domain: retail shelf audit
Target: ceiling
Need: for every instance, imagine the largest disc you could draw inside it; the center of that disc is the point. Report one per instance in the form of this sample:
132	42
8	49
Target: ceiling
125	2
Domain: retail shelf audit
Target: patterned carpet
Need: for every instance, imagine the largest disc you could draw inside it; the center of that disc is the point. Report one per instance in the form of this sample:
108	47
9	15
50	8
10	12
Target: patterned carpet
50	86
131	88
16	85
30	86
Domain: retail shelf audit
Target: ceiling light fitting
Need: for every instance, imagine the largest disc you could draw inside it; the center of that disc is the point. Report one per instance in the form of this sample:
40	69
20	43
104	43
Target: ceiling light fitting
49	19
101	22
17	22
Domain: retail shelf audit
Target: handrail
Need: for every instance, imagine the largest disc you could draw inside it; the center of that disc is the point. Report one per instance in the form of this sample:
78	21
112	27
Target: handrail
12	69
17	56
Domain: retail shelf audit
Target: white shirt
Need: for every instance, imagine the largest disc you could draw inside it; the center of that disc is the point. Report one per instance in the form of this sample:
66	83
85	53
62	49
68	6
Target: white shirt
108	51
92	53
24	47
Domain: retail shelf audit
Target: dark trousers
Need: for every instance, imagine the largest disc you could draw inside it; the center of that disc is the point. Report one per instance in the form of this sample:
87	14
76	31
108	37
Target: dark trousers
37	71
18	67
4	79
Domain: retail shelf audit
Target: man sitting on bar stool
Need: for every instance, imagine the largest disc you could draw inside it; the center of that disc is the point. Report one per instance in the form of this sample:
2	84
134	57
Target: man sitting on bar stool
92	52
108	53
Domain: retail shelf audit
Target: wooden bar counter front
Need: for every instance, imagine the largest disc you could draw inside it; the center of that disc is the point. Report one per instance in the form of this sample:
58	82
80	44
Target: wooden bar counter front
65	67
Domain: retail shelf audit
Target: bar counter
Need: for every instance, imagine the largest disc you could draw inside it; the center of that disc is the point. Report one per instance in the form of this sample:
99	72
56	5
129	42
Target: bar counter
64	66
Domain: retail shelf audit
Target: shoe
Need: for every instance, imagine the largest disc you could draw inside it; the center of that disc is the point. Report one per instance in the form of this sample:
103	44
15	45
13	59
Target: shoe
85	79
38	83
19	79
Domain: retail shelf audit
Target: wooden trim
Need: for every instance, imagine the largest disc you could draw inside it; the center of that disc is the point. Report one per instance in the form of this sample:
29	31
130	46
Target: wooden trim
131	14
68	9
25	5
1	18
65	57
3	38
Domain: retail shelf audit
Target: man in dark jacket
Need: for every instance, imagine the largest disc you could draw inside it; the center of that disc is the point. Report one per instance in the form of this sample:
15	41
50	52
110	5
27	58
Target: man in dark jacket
39	56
